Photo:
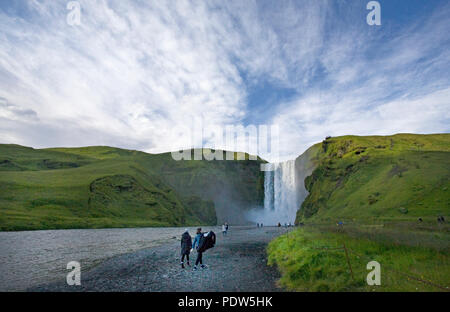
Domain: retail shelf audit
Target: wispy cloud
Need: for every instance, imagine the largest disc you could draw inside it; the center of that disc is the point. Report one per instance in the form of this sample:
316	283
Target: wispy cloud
133	70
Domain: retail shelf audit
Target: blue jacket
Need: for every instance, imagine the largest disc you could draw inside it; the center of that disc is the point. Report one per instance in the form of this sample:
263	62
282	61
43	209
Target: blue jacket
196	240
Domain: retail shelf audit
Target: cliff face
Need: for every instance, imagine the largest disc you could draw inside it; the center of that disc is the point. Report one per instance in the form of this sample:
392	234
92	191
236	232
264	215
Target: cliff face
234	185
304	166
109	187
403	176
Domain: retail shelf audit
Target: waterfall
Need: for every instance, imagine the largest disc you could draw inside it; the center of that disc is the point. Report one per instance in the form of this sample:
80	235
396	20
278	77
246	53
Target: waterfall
281	193
284	190
268	190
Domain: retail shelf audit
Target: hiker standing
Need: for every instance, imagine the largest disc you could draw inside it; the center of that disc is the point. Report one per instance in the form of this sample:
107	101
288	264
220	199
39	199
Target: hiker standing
186	245
226	226
224	229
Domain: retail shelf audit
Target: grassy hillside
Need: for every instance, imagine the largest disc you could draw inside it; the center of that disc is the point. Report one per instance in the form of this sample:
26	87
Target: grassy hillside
373	178
109	187
379	186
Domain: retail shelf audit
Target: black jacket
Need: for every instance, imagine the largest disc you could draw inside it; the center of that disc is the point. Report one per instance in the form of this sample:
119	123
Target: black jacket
186	243
207	241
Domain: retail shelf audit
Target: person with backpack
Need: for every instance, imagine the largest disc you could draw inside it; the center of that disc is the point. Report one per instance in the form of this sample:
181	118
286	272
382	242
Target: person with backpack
195	245
186	245
202	242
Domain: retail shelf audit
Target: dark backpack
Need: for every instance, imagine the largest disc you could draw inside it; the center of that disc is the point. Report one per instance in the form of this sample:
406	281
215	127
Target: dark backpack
207	241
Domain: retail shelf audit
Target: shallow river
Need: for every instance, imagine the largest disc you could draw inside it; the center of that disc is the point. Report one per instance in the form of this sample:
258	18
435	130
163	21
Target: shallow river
30	258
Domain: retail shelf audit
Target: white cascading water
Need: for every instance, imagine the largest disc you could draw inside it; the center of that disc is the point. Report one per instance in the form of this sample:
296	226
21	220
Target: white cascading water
268	190
280	194
284	191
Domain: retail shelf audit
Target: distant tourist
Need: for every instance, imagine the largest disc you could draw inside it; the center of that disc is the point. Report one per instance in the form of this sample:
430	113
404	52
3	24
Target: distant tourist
186	245
224	229
226	226
279	224
257	225
262	225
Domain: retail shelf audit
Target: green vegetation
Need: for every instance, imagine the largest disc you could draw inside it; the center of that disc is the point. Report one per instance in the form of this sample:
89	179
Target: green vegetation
95	187
367	179
308	262
377	187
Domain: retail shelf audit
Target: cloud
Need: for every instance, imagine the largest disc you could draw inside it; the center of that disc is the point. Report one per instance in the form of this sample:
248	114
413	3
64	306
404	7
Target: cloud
128	71
13	112
134	72
374	84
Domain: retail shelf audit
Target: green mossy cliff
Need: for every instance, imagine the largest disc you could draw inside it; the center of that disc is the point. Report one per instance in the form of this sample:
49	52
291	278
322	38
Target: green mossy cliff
366	178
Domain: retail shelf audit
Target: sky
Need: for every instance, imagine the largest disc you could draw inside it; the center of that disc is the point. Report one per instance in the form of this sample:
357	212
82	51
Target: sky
142	74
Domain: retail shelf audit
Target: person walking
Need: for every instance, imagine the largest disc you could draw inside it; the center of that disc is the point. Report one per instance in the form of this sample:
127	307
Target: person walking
186	245
195	246
203	242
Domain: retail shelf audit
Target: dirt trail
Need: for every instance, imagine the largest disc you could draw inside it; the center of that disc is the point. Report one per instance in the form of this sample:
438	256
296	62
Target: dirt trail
236	263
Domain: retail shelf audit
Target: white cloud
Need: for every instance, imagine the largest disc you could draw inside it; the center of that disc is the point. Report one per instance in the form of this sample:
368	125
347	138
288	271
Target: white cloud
134	70
131	72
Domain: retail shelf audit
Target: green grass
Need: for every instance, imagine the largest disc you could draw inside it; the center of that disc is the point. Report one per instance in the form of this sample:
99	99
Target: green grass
96	187
399	177
379	186
306	266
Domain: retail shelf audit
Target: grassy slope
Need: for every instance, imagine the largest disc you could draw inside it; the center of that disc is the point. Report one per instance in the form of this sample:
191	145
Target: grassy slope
104	187
399	177
306	266
378	186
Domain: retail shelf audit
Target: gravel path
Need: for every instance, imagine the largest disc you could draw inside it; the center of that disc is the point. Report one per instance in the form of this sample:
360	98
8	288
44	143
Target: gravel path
236	263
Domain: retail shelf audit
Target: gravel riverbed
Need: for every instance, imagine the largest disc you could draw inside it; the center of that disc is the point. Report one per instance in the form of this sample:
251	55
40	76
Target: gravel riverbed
236	263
